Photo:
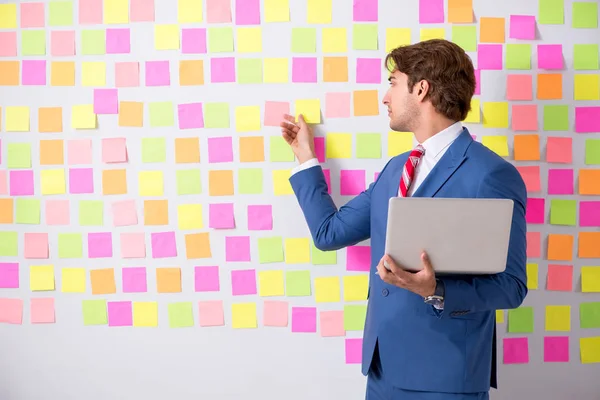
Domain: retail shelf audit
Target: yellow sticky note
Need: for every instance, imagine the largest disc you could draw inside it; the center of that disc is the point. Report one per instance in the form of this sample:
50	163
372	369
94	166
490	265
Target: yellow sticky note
270	283
83	117
310	109
116	11
93	73
297	250
587	87
281	182
432	33
532	276
339	145
189	216
73	280
474	116
558	318
399	142
334	40
249	39
41	277
500	316
495	114
145	313
327	289
276	70
53	181
243	315
166	37
8	16
590	279
496	143
395	37
356	287
319	12
17	119
277	10
589	349
247	118
189	11
150	183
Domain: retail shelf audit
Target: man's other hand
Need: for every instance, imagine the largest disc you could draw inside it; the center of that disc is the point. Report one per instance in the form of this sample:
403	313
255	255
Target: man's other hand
299	136
422	283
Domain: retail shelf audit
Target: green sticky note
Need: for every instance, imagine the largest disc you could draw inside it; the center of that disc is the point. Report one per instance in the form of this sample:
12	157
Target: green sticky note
220	39
320	257
585	56
518	56
93	42
589	315
9	244
91	212
304	40
354	317
250	181
592	152
297	283
154	150
551	12
563	212
70	245
365	37
181	314
188	181
520	320
249	70
270	249
161	114
19	155
368	145
33	42
61	13
556	118
465	37
94	312
585	14
28	211
279	150
216	115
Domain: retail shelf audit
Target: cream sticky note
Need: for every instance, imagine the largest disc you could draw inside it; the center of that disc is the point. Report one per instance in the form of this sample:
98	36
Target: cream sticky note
297	250
166	36
93	73
189	11
41	277
334	40
339	145
356	287
327	289
189	216
310	109
277	10
395	37
83	117
275	70
249	39
243	315
8	16
247	118
116	11
73	280
319	11
53	181
17	119
150	183
271	283
145	313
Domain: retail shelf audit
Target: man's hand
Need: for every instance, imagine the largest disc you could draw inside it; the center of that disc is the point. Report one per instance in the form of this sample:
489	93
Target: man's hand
299	136
422	283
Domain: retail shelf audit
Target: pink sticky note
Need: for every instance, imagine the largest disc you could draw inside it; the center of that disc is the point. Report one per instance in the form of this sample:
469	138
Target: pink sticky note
477	81
560	181
559	150
11	311
535	210
260	217
210	313
120	313
365	10
275	313
519	87
220	149
589	213
560	277
358	258
114	150
118	41
556	349
79	151
8	44
106	101
304	319
587	119
9	275
524	117
142	11
221	216
42	310
193	41
332	323
90	12
489	56
62	43
522	27
222	69
274	112
36	245
218	11
164	244
304	69
206	279
21	183
158	73
190	116
531	176
353	350
127	74
550	56
368	70
134	280
431	11
237	248
57	212
32	15
99	245
516	350
247	12
337	105
243	282
327	174
320	148
124	213
33	72
133	245
534	244
3	183
81	180
352	182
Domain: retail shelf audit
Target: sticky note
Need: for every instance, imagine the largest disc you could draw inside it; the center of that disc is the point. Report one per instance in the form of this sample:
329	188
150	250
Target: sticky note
549	87
556	349
116	11
358	258
304	40
304	69
551	12
247	12
9	275
339	145
190	116
168	280
216	115
518	56
260	217
94	312
197	245
91	213
560	278
106	101
304	319
590	278
70	245
556	117
331	323
33	42
60	13
8	44
133	245
334	40
11	310
560	247
275	70
120	313
220	39
32	15
17	119
243	315
41	277
356	287
352	182
134	279
100	245
500	316
220	149
166	37
270	250
560	181
589	349
93	73
62	43
327	289
520	320
366	103
585	56
271	283
495	114
558	318
489	56
491	30
118	41
250	181
354	317
323	257
353	350
431	11
465	37
589	315
310	110
587	87
189	216
515	350
62	73
585	15
399	142
337	105
460	11
93	42
221	216
189	11
145	313
237	248
297	283
394	37
28	211
210	313
277	10
127	74
220	183
19	155
368	70
519	87
10	73
365	10
42	311
274	112
53	181
586	118
532	275
592	152
275	313
83	116
550	56
432	33
589	213
206	279
163	244
157	74
522	27
297	250
181	314
365	37
335	69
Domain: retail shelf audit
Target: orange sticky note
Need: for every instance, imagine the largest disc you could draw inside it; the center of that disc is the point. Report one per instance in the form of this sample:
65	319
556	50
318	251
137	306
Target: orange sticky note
531	177
549	87
10	73
52	152
6	210
589	245
589	181
460	11
252	149
197	245
62	73
560	247
114	181
156	212
187	150
191	72
103	281
527	147
131	113
491	30
220	183
335	69
50	119
168	280
366	103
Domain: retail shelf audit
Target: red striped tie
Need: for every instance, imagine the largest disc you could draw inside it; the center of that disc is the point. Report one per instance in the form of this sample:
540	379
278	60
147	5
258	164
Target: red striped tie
410	166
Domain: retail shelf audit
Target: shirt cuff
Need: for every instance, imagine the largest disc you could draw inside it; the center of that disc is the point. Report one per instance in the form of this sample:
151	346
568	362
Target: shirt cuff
305	165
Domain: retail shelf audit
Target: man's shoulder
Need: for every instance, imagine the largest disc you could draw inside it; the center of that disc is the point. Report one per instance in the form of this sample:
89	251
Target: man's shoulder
488	160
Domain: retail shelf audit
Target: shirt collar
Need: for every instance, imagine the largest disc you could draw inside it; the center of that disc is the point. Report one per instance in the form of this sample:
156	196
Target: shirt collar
438	142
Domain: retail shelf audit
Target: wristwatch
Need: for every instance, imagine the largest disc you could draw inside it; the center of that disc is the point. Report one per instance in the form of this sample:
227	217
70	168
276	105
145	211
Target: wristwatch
437	299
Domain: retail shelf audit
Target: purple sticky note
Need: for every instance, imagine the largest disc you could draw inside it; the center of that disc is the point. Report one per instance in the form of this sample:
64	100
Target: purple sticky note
133	245
164	244
21	183
34	72
247	12
118	41
489	56
158	73
358	258
134	280
9	275
516	350
222	69
560	181
218	11
120	313
589	213
304	319
106	101
304	69
193	41
100	245
206	279
81	180
320	149
260	217
8	44
431	11
352	182
237	248
221	216
536	210
353	348
243	282
587	119
556	349
477	81
62	43
220	149
190	116
368	70
522	27
550	56
365	10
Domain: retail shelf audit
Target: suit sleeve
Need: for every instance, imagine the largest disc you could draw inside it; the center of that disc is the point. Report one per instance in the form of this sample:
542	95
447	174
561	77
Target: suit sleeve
508	289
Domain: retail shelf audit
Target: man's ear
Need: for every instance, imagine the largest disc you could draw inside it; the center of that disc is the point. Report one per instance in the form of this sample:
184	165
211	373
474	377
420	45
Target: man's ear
422	89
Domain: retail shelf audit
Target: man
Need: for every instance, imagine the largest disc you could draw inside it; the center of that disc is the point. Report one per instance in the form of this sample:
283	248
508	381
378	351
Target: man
425	338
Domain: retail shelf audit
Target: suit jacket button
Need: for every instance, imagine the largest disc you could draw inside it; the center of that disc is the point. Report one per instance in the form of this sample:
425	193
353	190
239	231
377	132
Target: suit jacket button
384	292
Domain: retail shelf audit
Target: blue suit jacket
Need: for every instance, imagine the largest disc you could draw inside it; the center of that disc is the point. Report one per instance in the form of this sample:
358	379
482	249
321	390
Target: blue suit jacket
421	348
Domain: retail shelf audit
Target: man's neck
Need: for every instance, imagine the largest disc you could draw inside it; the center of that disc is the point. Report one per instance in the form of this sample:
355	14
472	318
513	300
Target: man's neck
431	128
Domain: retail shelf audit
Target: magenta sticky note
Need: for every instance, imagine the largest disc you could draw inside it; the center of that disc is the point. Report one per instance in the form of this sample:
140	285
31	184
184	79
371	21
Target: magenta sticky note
560	181
358	258
36	245
118	41
114	150
218	11
477	81
33	72
516	350
304	319
365	10
210	313
327	174
353	350
320	148
81	180
41	310
221	216
11	311
158	73
489	57
550	56
124	213
536	210
3	183
21	183
522	27
431	11
8	44
222	69
220	149
58	212
368	70
164	244
127	74
247	12
106	101
193	40
260	217
237	248
62	43
304	69
274	112
275	313
134	280
332	323
352	182
587	119
90	12
206	279
243	282
100	245
133	245
337	105
190	116
32	15
9	275
142	11
556	349
120	313
589	213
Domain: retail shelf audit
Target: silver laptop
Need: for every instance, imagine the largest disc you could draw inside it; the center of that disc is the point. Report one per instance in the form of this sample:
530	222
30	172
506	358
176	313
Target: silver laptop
461	236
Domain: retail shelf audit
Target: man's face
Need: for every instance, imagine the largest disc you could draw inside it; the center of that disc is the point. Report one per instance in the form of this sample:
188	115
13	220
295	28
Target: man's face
401	104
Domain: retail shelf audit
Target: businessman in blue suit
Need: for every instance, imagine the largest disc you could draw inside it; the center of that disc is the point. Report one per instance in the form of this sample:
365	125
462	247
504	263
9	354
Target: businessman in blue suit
425	337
